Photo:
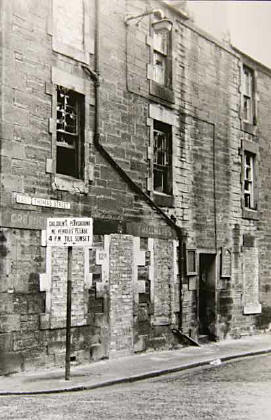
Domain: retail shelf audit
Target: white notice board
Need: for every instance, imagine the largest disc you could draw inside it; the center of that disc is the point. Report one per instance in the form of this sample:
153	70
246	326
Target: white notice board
70	231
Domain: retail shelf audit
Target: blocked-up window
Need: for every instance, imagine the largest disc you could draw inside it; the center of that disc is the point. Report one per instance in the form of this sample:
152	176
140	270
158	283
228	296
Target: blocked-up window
248	95
70	133
69	22
72	28
162	161
249	180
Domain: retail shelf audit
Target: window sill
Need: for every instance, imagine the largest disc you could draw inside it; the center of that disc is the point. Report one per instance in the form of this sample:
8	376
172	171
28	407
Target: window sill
249	127
163	200
161	92
67	183
250	214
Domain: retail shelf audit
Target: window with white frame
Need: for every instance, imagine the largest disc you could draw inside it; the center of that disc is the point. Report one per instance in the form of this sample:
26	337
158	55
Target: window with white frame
69	133
162	157
161	58
249	180
248	94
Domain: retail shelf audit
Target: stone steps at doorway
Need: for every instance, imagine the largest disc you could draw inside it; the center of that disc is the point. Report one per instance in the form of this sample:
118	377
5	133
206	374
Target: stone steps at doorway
203	339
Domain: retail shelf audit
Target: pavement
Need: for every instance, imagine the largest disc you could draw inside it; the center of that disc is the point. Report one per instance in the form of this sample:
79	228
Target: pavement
132	368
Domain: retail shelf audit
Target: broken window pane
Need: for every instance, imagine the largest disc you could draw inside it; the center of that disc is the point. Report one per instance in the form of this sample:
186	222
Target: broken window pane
159	68
69	140
162	166
162	58
249	180
248	92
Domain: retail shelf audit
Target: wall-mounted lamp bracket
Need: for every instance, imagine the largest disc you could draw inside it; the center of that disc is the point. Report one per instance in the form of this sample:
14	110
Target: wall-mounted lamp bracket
163	25
159	14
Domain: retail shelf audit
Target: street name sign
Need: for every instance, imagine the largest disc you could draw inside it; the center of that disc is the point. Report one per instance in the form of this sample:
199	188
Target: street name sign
70	231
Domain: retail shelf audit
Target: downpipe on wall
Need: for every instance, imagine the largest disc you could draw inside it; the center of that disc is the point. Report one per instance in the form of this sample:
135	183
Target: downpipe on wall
95	77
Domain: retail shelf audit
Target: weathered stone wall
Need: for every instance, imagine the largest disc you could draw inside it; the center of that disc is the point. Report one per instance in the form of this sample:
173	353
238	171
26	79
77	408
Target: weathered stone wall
121	295
207	158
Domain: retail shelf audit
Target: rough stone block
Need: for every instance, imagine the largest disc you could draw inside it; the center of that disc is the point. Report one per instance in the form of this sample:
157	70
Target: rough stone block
9	323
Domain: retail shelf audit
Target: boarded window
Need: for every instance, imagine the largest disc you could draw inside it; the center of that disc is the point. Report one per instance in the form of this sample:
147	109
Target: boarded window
69	22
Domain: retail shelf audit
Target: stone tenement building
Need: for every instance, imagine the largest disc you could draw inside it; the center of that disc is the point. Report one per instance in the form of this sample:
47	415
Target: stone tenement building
126	113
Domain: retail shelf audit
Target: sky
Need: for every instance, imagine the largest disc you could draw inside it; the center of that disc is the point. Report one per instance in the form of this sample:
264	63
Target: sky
247	23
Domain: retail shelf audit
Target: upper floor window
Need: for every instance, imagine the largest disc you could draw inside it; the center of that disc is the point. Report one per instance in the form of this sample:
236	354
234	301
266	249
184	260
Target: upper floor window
162	162
248	98
249	180
161	58
70	129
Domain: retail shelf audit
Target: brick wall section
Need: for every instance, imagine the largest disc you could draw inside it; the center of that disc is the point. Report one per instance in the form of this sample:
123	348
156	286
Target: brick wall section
163	263
59	288
121	295
20	299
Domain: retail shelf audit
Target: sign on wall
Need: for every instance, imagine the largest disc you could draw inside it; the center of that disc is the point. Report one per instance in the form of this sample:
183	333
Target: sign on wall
225	263
42	202
69	231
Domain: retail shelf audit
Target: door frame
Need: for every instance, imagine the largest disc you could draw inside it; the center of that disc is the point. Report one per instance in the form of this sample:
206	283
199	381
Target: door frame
215	255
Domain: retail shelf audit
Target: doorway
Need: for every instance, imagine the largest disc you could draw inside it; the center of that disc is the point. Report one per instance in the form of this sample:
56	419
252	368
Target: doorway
206	300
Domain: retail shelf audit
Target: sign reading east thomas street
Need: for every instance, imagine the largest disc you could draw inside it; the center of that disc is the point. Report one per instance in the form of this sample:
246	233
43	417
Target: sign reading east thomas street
69	231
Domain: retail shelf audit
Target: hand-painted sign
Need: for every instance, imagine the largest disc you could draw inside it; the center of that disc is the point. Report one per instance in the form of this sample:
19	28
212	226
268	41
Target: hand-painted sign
69	231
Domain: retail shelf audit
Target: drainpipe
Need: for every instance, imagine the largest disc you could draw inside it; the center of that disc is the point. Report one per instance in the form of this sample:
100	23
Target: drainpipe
95	76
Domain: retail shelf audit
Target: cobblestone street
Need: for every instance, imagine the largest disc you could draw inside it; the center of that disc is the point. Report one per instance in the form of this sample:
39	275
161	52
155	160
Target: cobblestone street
238	390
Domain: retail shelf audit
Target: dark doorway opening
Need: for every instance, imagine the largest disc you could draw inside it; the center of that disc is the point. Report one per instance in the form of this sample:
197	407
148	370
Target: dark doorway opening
206	303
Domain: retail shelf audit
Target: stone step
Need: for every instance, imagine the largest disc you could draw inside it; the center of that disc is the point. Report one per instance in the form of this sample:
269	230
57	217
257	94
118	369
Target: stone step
203	339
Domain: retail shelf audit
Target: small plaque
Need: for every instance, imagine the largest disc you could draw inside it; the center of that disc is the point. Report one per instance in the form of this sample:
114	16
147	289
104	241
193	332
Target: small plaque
191	262
101	256
252	308
225	263
192	283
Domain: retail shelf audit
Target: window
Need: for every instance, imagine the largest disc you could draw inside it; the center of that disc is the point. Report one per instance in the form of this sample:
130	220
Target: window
71	24
162	163
160	71
191	262
248	95
161	62
70	129
249	180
